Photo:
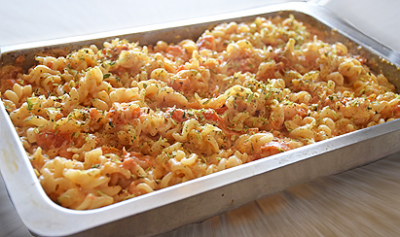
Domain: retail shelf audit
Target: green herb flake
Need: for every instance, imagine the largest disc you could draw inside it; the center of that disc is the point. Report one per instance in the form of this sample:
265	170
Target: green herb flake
30	104
173	121
107	75
206	102
250	98
128	197
204	159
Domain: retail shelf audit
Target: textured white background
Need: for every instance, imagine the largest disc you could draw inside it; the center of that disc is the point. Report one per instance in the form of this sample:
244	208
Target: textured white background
30	21
24	21
43	19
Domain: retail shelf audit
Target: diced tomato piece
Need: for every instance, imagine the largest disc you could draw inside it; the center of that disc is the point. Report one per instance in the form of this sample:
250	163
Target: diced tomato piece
48	140
129	114
180	68
211	115
128	163
182	84
122	48
302	112
110	150
273	147
49	64
94	113
178	115
11	82
222	109
65	153
396	111
207	42
175	50
372	97
136	112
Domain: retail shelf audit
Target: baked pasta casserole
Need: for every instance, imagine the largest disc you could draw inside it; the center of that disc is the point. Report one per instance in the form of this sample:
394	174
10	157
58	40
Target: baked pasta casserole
102	125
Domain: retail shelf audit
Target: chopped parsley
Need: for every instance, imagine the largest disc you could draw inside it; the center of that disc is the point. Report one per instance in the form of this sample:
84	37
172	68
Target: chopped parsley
30	104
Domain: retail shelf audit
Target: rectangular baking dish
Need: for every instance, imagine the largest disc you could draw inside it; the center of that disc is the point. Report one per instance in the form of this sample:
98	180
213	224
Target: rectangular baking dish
198	199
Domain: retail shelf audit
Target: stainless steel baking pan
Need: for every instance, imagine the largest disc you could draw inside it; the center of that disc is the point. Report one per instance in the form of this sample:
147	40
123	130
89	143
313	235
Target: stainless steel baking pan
198	199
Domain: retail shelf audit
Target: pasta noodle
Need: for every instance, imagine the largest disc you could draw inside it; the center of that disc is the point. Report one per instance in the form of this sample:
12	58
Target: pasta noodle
104	125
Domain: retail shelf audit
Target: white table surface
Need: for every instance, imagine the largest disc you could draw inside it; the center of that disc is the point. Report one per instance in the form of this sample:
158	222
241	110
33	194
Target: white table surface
361	202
